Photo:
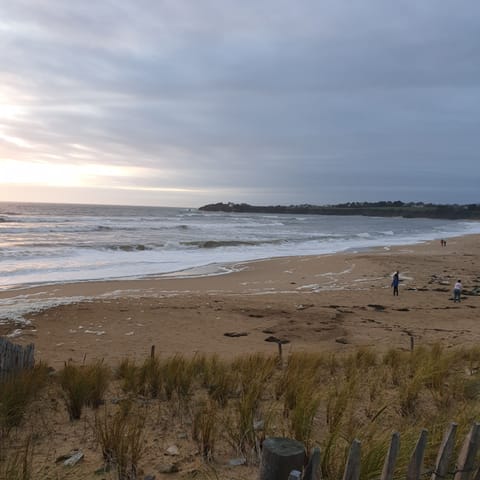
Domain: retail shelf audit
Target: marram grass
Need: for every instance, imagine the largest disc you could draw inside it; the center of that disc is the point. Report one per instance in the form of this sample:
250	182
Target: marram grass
321	399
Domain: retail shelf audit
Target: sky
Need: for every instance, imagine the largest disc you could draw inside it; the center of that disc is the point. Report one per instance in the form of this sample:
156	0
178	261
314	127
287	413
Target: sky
187	102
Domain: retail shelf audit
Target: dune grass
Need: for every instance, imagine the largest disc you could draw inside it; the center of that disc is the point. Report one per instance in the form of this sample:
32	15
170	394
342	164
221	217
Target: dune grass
16	393
121	438
205	428
320	399
18	464
83	385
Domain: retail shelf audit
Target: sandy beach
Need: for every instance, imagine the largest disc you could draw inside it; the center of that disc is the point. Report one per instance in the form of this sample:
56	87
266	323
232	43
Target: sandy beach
329	302
332	303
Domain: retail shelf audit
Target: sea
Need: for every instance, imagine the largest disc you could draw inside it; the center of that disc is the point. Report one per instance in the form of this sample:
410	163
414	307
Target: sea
50	244
58	243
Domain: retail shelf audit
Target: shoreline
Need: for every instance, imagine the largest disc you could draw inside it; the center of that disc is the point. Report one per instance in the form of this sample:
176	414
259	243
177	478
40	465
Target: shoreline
214	265
329	301
210	271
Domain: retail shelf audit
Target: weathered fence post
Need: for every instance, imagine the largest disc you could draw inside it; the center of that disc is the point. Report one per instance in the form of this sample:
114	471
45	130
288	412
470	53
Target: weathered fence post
352	468
466	458
283	459
391	458
15	357
415	466
312	470
280	353
279	457
444	453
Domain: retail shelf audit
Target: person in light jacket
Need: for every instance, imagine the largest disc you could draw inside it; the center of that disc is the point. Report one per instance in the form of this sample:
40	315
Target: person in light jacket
457	290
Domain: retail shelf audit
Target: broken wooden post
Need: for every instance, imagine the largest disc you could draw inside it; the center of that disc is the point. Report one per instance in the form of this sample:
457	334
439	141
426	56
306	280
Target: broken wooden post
466	458
444	453
391	458
412	343
415	466
279	457
152	351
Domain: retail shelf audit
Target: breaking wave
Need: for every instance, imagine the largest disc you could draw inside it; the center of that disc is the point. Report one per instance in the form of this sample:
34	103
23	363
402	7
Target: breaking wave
139	247
220	243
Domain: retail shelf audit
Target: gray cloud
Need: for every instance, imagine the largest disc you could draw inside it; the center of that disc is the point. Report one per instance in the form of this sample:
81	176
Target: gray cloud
269	101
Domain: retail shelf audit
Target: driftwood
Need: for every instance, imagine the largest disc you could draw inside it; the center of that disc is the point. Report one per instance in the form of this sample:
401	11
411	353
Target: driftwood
14	358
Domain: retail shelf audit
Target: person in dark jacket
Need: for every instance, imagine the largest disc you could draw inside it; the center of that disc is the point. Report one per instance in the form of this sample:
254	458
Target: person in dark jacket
395	282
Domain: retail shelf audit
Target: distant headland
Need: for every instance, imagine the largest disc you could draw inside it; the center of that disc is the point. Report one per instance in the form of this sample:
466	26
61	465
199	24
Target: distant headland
370	209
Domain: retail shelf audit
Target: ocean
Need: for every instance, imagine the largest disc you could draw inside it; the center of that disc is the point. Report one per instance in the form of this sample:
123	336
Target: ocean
57	243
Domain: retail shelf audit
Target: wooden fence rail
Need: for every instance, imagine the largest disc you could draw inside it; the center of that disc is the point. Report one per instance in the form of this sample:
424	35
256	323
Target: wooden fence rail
14	358
467	466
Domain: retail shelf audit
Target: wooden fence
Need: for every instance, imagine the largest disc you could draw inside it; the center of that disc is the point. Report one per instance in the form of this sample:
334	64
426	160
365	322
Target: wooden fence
14	358
275	463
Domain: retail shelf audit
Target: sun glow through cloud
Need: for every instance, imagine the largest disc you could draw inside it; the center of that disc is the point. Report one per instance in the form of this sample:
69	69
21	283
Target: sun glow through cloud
19	142
16	172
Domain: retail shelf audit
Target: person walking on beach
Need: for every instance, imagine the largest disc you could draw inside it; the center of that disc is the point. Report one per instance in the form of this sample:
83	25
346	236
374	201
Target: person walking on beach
395	282
457	290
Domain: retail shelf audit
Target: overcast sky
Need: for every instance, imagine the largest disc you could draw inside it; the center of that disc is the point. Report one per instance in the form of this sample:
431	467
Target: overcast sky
182	103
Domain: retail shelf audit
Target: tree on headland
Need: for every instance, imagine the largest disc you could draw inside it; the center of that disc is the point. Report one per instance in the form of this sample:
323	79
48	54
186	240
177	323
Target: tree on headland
374	209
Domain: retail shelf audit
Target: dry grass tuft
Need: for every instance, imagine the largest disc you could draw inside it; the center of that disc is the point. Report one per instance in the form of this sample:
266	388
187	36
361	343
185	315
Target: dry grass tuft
121	438
205	429
18	465
83	386
16	393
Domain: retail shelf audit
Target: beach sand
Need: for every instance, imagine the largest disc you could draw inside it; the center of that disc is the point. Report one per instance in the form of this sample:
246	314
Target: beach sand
332	303
316	303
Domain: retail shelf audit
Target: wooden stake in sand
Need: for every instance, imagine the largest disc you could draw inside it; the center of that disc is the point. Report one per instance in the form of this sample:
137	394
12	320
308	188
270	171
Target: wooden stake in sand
279	342
414	470
352	467
466	458
391	458
312	470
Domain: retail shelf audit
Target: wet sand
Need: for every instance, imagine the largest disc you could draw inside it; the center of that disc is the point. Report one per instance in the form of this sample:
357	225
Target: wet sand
327	302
